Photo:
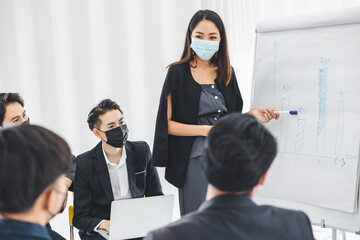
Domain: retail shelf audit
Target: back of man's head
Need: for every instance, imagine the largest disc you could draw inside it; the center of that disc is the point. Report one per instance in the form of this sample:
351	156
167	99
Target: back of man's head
31	159
238	152
6	99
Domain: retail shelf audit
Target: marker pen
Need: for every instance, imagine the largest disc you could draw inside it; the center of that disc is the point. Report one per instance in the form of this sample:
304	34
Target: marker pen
291	112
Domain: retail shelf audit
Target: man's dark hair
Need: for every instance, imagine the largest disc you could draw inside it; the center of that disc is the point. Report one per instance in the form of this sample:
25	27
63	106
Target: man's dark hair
6	99
31	159
103	107
238	151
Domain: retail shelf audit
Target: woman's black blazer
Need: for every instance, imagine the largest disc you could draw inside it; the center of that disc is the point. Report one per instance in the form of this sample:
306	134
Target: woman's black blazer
171	151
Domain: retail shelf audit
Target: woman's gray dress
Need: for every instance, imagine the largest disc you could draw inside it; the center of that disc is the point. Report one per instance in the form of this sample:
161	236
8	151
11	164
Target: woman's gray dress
211	108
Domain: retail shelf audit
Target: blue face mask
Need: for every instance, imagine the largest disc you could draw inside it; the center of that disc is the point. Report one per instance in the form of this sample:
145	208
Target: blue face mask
204	49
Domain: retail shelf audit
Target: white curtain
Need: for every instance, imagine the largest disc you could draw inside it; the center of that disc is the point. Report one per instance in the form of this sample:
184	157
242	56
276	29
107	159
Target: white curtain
64	56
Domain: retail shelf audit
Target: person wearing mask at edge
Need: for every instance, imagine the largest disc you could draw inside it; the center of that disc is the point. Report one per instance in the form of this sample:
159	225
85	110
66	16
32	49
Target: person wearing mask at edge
237	156
27	201
12	113
114	169
198	90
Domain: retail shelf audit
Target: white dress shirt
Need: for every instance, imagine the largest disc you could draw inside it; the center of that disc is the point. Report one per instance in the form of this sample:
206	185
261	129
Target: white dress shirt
118	178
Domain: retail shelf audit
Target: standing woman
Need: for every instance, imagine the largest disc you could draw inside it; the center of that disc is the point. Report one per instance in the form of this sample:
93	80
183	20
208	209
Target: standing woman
198	90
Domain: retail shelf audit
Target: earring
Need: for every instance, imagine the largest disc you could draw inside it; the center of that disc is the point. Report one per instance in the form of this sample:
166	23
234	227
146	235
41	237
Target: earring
194	56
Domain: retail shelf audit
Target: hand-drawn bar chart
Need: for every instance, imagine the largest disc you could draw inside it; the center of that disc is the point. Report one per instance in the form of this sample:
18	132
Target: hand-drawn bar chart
300	130
318	149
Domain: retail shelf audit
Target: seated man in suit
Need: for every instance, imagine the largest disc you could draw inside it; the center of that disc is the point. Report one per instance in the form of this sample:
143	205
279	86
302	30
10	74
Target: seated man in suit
114	169
237	156
27	201
12	113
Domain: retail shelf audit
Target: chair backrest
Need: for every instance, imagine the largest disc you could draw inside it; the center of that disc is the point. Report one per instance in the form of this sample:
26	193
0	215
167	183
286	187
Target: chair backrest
71	216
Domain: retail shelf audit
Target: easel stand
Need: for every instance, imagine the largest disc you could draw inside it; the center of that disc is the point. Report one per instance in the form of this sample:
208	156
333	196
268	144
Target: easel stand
334	231
334	234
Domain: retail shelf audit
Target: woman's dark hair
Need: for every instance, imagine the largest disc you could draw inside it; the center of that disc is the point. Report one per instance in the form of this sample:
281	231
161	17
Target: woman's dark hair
100	109
238	152
31	159
221	58
6	99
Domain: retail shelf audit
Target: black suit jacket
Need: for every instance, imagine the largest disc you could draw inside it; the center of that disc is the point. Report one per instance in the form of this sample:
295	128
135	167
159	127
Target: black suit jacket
237	217
173	152
93	192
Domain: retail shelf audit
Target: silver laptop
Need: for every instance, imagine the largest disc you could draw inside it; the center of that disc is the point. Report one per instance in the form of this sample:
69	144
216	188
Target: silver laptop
134	218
